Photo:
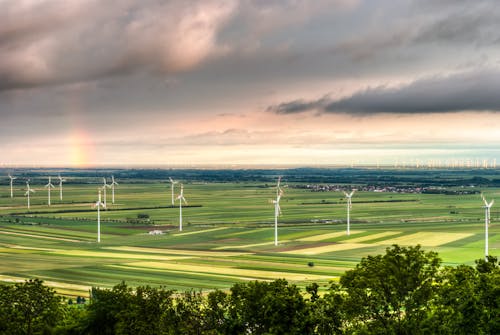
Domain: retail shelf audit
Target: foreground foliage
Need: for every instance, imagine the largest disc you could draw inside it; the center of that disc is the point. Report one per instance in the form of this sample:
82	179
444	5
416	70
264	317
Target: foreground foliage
405	291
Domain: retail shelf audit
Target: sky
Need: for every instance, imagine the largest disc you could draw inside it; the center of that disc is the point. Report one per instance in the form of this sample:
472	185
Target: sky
132	83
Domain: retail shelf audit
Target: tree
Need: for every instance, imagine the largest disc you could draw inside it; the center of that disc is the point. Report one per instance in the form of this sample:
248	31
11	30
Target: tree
28	308
456	303
389	294
326	313
267	308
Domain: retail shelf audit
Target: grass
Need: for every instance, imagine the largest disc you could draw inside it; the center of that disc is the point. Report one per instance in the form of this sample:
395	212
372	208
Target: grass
228	235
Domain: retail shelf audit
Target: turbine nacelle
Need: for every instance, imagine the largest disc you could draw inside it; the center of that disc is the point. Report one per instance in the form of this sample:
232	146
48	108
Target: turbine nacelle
49	185
105	184
99	203
180	197
486	204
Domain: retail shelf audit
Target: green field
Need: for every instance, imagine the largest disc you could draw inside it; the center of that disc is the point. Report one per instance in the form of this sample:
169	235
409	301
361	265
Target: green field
228	235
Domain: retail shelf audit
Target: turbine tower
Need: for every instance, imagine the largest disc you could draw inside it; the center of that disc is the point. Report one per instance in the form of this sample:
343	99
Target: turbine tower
172	182
277	209
61	181
11	180
113	183
181	199
49	186
28	191
99	204
487	207
104	186
349	206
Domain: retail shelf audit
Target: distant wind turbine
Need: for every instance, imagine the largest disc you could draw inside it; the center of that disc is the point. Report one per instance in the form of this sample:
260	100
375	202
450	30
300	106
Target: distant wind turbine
181	199
349	206
487	206
113	183
61	181
11	180
172	182
49	186
28	191
99	204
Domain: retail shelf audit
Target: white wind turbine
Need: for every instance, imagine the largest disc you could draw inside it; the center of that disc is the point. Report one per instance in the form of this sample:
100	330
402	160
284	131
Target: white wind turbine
172	182
181	199
49	186
61	181
28	191
113	183
277	210
487	207
349	206
99	204
11	180
104	186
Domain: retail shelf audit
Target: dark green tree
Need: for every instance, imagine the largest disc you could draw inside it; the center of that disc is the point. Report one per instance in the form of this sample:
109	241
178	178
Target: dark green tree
326	313
488	290
456	308
267	308
145	311
28	308
390	294
216	313
105	307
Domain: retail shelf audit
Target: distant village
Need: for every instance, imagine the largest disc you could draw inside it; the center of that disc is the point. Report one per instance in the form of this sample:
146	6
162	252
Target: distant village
388	189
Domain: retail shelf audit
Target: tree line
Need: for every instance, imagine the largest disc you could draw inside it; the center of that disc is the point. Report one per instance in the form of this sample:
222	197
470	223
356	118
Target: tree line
404	291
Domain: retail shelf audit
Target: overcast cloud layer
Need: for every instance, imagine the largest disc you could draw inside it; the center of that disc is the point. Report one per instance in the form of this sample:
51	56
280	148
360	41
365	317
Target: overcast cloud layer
122	81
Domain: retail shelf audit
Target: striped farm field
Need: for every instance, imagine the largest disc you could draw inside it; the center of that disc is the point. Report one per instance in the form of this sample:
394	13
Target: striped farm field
225	271
228	233
427	239
200	231
327	249
179	252
244	246
372	237
39	236
116	255
327	236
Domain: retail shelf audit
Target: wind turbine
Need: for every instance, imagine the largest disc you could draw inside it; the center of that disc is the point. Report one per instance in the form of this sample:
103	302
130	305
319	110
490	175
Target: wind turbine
173	182
277	210
11	180
49	186
487	207
61	180
104	186
349	206
99	204
113	183
181	199
28	191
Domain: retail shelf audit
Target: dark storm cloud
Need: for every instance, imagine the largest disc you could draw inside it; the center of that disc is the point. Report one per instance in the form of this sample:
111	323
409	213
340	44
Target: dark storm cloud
476	91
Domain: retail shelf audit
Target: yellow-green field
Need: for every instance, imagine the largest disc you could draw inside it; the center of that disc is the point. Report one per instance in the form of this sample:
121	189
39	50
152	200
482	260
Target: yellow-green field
228	234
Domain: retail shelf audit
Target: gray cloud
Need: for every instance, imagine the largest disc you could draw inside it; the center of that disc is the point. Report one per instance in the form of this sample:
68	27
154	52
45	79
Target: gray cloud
410	29
472	91
47	42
